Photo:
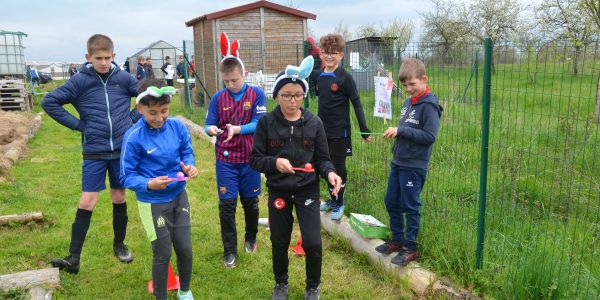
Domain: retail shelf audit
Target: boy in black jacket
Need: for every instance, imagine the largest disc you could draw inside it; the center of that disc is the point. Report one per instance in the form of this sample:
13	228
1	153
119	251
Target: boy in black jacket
336	89
285	138
414	138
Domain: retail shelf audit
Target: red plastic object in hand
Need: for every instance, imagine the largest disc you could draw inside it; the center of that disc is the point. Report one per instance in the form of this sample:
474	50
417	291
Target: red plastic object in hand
308	168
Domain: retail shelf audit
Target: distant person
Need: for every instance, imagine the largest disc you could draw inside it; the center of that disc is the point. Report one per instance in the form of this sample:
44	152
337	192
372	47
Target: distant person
315	52
180	68
162	201
126	65
72	70
288	137
140	70
413	143
232	116
35	76
104	116
336	90
167	69
149	69
192	66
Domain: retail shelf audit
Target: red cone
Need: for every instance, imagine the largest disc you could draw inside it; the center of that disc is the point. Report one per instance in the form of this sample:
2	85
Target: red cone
298	248
172	281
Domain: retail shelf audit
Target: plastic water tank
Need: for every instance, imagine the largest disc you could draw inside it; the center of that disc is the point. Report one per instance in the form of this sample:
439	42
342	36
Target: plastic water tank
12	56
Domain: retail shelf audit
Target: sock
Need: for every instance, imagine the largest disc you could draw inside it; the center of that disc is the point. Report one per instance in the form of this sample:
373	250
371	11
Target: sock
79	230
120	222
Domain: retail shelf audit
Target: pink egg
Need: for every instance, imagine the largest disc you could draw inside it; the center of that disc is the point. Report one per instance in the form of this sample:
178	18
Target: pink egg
308	166
180	175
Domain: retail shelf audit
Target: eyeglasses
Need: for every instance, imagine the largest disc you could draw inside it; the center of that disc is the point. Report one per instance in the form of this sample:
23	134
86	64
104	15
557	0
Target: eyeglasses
288	97
330	53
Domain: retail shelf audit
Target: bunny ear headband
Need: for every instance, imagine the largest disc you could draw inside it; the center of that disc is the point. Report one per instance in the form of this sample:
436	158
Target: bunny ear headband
156	92
293	74
231	51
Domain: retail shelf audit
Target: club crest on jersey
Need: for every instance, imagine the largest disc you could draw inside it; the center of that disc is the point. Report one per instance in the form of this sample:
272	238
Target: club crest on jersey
223	190
334	87
247	105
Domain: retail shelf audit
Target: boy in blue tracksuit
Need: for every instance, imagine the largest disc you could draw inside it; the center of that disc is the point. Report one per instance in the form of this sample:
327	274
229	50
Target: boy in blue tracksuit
414	138
154	151
101	93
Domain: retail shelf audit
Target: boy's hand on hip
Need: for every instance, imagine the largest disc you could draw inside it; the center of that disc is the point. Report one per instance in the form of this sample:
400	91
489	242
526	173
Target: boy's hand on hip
284	166
159	183
390	133
231	131
190	170
336	181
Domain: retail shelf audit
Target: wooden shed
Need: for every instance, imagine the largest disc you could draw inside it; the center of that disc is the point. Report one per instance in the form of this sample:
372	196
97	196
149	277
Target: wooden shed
271	36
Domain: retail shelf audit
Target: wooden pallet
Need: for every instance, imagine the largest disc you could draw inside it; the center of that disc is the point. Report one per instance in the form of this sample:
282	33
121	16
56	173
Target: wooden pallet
12	93
13	99
13	105
12	84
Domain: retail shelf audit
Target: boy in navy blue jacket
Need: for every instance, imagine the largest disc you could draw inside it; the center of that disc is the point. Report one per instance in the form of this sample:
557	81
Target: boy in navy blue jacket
414	138
101	93
156	156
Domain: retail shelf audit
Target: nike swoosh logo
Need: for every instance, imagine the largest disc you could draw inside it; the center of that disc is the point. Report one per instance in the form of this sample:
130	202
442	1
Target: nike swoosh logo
256	190
308	202
151	150
226	108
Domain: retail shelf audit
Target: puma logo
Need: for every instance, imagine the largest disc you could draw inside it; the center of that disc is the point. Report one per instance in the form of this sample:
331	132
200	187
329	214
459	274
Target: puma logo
186	210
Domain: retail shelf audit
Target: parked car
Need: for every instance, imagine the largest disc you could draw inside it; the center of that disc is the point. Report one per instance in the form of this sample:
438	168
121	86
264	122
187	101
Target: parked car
44	77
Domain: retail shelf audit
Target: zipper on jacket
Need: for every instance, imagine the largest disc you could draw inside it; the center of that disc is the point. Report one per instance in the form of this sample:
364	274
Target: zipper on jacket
112	147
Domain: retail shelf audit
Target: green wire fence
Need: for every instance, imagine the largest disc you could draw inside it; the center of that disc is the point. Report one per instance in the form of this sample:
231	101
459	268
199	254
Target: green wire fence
526	228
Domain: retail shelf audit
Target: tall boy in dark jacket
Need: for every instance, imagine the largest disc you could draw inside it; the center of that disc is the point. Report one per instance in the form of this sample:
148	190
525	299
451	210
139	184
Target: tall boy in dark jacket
414	138
101	93
285	138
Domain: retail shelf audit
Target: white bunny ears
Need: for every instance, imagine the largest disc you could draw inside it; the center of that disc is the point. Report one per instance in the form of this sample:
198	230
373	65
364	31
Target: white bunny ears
293	74
231	51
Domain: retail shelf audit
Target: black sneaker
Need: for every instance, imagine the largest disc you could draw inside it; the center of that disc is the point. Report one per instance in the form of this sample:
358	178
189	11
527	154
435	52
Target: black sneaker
70	264
389	247
312	294
122	253
280	291
404	257
250	246
229	260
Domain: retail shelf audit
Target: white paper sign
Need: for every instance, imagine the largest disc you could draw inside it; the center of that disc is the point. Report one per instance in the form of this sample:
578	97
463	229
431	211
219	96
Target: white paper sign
383	97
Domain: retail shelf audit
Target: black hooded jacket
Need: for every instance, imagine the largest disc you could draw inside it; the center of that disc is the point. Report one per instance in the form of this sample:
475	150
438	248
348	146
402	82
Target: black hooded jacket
302	141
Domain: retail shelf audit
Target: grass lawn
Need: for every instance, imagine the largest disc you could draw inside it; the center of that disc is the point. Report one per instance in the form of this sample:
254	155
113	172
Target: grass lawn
48	180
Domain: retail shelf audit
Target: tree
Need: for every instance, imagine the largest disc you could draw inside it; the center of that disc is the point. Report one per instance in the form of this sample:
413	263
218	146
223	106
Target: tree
368	30
592	8
342	29
397	33
444	27
565	20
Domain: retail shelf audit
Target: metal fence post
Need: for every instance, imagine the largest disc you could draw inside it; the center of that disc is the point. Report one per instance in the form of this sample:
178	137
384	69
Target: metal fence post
186	81
485	132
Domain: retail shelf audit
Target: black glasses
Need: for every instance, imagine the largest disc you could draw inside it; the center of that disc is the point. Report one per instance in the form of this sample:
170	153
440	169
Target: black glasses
288	97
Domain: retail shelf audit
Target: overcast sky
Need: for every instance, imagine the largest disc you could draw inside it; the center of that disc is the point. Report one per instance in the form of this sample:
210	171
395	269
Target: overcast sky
57	30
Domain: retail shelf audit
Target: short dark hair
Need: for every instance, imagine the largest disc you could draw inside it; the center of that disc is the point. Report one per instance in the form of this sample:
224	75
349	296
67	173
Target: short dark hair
150	100
99	42
411	68
230	64
332	42
167	57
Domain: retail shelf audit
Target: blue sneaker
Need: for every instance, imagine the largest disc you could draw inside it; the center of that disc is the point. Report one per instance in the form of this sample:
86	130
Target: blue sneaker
337	213
326	206
185	295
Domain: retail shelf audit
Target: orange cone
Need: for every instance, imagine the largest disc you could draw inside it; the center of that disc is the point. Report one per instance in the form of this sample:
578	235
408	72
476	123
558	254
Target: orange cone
298	248
172	281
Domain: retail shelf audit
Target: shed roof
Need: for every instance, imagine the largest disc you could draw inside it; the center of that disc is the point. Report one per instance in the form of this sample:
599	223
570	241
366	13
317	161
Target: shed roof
250	6
3	32
152	46
371	39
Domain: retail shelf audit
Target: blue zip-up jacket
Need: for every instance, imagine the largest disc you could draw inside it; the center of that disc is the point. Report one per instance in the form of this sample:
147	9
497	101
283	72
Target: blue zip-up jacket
104	107
417	131
149	153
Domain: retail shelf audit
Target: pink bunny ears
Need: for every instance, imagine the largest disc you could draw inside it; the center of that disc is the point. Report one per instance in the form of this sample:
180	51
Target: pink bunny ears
230	51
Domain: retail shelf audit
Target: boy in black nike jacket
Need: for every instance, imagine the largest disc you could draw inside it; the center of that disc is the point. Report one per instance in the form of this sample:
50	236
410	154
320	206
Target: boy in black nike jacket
285	138
414	138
